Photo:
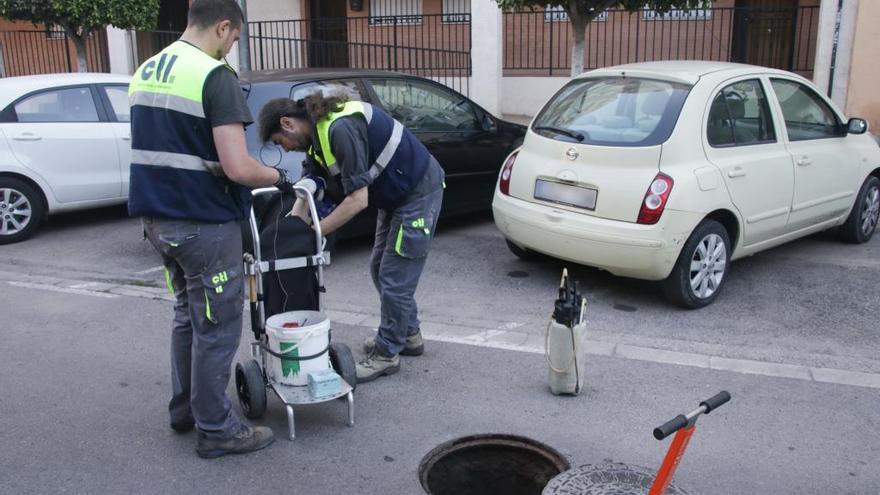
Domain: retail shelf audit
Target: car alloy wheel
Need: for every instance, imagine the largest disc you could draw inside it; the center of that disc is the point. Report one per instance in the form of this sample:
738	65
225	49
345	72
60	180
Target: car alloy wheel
708	266
15	211
870	211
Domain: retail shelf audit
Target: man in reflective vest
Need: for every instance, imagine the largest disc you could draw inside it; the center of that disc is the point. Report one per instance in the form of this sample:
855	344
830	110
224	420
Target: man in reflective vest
373	160
190	181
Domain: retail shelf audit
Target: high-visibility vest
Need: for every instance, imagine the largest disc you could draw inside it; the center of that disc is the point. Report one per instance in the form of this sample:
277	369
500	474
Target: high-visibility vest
397	159
175	169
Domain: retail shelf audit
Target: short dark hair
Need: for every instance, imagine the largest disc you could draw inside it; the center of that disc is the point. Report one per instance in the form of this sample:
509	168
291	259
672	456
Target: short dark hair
206	13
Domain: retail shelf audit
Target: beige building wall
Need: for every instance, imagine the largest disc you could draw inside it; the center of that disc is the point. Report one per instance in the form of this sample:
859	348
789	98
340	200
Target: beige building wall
863	99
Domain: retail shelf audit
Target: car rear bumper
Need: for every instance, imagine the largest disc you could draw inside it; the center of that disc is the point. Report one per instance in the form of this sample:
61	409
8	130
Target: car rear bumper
626	249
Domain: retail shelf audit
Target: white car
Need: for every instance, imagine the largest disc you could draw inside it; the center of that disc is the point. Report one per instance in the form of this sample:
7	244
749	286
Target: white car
671	170
65	144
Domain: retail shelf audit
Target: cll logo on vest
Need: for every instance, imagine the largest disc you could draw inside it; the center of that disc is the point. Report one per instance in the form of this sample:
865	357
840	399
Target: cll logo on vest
161	77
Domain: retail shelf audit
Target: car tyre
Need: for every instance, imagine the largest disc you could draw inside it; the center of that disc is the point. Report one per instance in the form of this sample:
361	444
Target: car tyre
21	210
701	269
862	220
251	388
343	363
522	253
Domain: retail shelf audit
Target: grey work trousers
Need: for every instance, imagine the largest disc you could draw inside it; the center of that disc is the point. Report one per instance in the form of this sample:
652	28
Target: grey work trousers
203	263
403	239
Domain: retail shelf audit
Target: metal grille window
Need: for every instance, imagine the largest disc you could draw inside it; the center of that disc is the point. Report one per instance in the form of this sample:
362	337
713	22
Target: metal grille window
456	10
394	12
702	14
558	14
55	32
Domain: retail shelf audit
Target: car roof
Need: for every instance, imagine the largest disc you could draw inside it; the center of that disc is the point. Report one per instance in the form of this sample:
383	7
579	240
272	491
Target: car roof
12	88
293	75
685	71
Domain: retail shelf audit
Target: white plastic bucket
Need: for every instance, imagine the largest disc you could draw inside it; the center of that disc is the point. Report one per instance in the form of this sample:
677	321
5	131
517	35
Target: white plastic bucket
297	333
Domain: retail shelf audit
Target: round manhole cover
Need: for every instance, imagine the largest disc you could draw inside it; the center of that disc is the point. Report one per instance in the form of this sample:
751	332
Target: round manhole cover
490	465
606	479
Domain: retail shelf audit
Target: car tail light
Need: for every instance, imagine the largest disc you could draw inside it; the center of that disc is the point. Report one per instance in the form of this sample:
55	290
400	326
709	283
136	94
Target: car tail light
655	200
506	171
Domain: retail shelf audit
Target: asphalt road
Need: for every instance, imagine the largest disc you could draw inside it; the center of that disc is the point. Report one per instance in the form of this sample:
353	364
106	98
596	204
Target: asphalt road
84	371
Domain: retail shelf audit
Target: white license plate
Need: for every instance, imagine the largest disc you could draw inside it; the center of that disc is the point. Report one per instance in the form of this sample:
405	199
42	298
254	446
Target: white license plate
566	194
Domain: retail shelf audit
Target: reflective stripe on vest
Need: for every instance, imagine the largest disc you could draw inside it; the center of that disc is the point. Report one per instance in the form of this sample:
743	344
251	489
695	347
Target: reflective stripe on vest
354	108
175	169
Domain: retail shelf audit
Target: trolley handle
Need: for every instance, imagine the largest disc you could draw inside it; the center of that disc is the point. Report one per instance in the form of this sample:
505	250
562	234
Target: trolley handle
715	402
670	427
682	421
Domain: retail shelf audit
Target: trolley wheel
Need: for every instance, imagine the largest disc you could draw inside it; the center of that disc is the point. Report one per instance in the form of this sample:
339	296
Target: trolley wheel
251	388
342	361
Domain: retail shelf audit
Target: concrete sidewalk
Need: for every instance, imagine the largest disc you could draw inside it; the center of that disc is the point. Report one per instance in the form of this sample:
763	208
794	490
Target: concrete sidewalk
85	385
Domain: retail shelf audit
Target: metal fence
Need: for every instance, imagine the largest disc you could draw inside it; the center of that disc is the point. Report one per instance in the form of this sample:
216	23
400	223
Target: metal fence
540	42
31	52
149	43
432	46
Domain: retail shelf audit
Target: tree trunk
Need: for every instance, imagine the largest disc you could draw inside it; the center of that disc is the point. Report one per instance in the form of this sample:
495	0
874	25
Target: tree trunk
579	28
82	62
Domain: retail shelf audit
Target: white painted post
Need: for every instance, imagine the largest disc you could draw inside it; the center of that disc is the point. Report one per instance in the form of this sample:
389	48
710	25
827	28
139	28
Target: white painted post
486	54
825	47
119	50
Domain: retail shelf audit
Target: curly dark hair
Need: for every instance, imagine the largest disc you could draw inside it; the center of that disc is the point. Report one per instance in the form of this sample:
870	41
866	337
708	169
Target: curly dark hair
313	107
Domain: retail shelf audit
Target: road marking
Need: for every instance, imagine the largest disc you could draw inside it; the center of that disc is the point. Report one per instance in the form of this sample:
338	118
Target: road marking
66	290
534	343
83	286
150	270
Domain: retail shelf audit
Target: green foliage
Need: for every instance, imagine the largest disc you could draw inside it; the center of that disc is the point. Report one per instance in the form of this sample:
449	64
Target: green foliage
81	17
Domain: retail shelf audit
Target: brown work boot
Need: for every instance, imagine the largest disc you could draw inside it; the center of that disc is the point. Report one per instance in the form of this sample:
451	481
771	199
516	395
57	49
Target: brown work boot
376	365
249	439
414	346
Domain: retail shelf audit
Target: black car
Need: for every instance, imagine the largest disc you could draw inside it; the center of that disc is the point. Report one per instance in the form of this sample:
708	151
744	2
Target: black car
468	141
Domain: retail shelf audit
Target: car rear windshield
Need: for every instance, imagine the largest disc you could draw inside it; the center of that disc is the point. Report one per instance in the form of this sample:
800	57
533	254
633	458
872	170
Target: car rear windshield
618	111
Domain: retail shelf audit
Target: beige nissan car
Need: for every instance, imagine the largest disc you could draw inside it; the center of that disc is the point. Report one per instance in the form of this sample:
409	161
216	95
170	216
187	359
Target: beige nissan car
670	170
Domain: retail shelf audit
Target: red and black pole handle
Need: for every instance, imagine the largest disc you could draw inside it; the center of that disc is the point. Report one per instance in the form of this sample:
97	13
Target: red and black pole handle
682	420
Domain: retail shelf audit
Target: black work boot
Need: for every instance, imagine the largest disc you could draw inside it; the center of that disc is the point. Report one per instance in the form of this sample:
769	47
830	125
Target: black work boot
249	439
183	426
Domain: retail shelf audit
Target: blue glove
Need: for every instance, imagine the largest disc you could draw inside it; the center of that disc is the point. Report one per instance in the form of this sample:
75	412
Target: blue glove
325	207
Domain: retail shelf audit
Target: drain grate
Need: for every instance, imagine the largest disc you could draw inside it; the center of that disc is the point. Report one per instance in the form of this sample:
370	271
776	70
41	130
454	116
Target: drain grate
606	479
490	465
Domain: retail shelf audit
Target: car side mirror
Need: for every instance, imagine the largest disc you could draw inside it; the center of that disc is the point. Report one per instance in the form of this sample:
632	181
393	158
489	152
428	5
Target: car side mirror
857	126
488	123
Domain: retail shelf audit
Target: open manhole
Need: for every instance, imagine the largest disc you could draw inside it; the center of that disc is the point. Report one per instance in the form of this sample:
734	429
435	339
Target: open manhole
490	465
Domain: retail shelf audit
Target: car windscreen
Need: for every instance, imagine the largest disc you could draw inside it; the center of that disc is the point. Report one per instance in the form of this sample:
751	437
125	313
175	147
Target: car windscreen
613	111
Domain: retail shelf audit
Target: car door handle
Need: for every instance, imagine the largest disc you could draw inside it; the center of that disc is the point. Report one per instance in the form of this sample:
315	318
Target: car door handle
27	136
804	161
737	172
126	138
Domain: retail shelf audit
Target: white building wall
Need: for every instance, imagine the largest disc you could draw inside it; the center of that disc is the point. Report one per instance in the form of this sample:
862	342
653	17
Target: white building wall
825	47
119	49
486	56
274	10
527	95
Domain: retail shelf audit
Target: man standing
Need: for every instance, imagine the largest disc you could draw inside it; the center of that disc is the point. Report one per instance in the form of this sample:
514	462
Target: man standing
374	160
190	180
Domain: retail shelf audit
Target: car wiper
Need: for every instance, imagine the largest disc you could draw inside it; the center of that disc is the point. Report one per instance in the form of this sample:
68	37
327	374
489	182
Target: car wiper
559	130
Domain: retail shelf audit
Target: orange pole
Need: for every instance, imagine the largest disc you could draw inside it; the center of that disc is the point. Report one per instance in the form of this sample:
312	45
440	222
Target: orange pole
670	463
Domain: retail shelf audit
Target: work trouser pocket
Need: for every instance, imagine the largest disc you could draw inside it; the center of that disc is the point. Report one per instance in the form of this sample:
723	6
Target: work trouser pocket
223	295
413	237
